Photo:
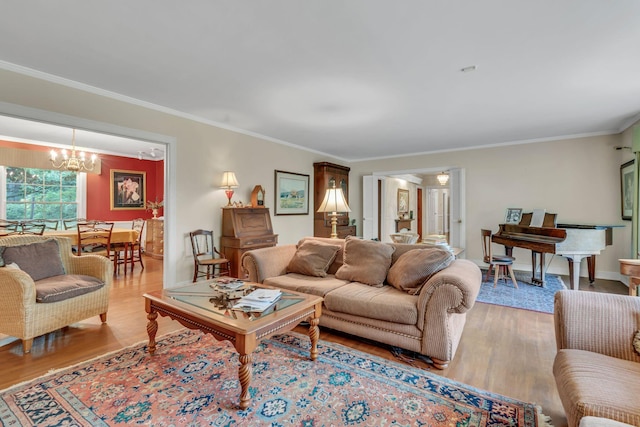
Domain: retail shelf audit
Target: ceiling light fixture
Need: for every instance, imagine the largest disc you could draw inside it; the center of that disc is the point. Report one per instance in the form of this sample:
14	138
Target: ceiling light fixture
72	163
469	69
443	178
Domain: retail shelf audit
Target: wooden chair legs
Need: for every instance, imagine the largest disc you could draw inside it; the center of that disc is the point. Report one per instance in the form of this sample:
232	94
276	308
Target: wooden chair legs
502	270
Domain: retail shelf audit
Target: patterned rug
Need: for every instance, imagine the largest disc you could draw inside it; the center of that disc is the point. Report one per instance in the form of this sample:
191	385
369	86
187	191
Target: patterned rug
527	296
192	381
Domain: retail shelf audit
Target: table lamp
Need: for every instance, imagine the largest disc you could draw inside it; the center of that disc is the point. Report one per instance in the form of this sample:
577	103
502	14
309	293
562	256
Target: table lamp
333	203
229	182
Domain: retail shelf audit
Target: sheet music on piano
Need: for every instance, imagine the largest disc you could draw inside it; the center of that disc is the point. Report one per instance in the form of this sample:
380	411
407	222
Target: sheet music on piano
537	218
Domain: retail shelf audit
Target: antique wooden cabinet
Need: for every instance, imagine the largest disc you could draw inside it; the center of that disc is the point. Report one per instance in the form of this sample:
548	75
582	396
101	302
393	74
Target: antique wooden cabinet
154	245
325	175
244	229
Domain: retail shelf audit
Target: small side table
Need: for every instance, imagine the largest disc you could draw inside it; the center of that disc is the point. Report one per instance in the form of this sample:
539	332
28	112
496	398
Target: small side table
631	268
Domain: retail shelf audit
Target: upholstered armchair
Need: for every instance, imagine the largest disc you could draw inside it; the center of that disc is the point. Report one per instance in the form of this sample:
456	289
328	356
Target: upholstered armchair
42	296
597	367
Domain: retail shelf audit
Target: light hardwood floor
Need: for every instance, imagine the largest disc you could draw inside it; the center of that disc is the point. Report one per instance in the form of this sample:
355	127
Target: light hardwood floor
503	350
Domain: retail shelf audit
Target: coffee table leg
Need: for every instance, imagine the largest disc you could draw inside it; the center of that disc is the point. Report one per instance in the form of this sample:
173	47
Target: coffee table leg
244	374
152	328
314	334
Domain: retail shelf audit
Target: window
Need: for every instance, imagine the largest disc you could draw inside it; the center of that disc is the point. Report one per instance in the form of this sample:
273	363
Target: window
41	194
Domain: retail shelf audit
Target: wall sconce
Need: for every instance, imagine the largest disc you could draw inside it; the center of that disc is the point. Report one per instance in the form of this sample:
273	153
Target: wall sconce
443	178
229	182
333	203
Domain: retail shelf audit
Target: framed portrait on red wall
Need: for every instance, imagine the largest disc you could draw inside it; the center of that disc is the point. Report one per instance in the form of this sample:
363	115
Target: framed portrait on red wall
128	189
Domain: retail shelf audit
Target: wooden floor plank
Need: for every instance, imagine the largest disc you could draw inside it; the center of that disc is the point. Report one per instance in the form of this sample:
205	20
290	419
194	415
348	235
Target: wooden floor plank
503	350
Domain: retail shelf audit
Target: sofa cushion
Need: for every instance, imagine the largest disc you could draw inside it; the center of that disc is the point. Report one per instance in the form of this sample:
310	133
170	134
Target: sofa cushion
39	260
59	288
410	272
385	303
365	261
337	262
319	286
581	376
313	258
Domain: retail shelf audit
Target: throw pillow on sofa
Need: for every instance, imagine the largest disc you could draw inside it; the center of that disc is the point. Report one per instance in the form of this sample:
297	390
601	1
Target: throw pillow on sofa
365	261
39	260
413	268
313	258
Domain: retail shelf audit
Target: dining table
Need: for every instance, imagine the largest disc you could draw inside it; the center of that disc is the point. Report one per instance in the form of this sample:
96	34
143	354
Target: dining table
127	236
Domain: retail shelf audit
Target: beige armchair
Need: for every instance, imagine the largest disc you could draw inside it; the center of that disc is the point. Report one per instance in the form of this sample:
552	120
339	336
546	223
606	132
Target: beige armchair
597	369
21	316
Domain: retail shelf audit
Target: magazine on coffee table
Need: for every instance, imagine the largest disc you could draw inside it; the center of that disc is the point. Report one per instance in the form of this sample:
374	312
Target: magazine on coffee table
258	300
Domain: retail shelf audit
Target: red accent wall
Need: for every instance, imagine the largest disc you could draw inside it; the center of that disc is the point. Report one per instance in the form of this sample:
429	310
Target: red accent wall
99	189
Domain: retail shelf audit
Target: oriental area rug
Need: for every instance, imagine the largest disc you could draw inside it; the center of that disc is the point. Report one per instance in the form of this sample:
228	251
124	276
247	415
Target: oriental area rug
527	296
192	380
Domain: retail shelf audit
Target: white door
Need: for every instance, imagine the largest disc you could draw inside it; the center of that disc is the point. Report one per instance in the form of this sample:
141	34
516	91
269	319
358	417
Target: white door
456	185
369	207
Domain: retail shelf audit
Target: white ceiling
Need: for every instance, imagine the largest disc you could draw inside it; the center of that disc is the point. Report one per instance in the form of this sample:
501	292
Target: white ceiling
355	79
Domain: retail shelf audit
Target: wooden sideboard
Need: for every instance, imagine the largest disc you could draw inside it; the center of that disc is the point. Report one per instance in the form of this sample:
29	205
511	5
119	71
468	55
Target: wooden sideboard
154	246
244	229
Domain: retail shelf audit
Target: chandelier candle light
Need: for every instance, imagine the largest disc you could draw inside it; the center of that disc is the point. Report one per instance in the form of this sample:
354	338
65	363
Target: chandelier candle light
72	163
333	203
443	178
229	182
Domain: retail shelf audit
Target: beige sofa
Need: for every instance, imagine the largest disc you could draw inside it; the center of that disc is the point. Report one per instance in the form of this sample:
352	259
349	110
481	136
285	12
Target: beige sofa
597	368
66	289
430	322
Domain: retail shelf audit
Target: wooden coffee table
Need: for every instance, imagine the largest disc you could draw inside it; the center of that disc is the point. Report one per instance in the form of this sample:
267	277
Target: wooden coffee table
196	307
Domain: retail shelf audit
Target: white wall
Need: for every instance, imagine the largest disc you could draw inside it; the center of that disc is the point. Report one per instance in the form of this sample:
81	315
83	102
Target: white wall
579	179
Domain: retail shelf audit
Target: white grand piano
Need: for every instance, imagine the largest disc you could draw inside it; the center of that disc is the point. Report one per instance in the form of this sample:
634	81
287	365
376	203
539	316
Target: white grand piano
572	241
583	241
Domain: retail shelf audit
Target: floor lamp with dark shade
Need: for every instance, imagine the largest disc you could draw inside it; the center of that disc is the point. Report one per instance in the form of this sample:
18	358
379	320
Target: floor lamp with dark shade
333	203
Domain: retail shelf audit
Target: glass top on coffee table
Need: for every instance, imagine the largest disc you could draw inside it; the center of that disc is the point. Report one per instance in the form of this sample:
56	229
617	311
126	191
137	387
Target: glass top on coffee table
218	298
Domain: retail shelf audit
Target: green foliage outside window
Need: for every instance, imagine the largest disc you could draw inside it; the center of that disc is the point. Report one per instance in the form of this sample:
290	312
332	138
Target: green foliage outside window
40	194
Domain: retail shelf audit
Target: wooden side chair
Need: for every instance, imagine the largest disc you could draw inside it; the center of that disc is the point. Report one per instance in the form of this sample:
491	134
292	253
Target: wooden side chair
94	238
134	248
32	227
501	264
70	224
206	257
8	228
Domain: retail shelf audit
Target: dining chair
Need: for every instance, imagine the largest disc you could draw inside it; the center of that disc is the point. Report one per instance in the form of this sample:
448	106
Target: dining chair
8	227
32	227
206	258
134	248
500	264
94	237
70	224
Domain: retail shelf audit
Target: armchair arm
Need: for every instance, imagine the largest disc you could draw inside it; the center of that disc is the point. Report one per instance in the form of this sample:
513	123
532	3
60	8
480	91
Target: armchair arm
260	264
597	322
18	290
91	265
451	290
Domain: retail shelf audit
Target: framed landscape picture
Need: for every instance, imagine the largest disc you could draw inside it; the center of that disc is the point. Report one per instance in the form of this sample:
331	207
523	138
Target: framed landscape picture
626	187
292	193
128	189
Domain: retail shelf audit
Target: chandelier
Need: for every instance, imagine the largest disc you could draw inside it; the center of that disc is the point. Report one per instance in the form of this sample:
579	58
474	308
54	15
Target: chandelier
73	162
443	178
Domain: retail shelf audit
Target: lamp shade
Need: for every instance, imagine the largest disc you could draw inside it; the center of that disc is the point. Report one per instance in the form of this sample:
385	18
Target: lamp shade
229	180
334	201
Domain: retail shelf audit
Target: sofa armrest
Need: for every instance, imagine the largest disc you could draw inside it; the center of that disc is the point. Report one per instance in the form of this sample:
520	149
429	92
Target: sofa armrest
90	265
457	287
18	289
597	322
260	264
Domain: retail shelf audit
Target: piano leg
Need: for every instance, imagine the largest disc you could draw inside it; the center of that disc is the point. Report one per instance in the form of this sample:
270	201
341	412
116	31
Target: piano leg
591	264
535	280
574	269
